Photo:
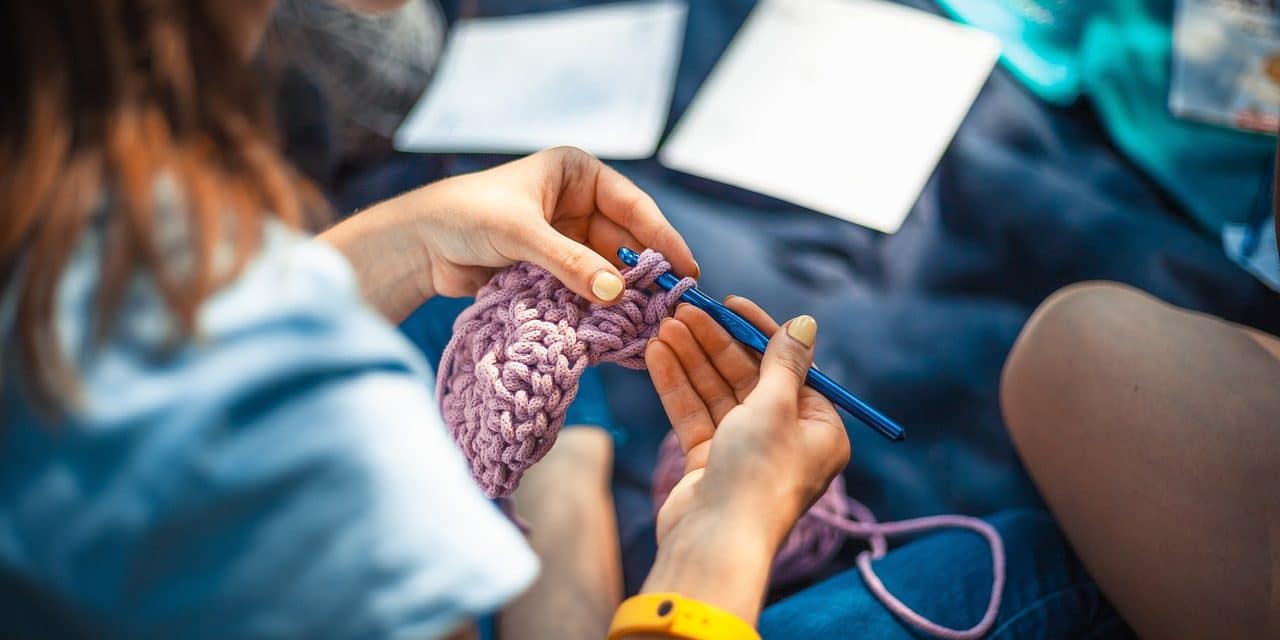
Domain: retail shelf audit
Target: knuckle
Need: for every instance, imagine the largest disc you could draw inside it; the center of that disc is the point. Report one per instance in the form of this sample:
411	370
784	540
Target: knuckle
668	235
792	361
574	160
574	260
566	150
634	204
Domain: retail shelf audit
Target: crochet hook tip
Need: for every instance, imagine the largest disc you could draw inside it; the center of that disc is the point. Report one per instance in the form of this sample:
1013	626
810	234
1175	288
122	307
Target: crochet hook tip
628	257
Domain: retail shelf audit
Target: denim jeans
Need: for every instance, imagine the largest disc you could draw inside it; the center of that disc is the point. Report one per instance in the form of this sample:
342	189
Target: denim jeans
946	577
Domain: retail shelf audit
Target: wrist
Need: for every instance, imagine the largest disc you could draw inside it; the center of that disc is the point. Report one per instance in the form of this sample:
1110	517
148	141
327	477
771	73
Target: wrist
750	491
391	262
720	556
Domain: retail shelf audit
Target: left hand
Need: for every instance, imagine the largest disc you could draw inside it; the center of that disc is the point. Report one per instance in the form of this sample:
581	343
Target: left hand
561	209
759	445
752	433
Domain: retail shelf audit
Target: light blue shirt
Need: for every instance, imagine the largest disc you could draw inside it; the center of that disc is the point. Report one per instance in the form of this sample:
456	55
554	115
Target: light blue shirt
284	473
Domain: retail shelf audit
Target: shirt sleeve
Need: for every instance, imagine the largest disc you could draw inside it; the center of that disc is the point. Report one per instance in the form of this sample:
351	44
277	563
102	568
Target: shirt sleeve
286	475
343	511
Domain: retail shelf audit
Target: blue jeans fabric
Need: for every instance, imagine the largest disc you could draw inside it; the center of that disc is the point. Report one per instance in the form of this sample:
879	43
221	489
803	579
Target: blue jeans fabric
946	577
431	326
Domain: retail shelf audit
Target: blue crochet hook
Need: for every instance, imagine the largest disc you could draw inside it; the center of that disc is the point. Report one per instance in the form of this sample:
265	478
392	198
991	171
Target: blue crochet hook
747	334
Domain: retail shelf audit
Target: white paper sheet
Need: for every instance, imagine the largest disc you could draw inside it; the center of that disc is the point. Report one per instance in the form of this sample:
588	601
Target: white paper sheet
599	78
842	106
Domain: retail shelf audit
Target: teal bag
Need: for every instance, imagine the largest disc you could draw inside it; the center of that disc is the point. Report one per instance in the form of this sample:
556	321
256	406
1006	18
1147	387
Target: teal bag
1117	53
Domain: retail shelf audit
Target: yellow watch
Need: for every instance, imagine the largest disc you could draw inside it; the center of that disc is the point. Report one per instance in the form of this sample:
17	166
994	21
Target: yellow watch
678	617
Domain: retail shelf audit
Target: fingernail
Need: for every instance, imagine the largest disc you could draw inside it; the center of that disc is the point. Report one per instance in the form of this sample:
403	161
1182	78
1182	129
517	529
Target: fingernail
729	298
606	285
804	329
697	270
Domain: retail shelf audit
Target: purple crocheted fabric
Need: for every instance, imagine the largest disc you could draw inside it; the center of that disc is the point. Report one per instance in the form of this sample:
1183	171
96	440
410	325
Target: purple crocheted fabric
512	368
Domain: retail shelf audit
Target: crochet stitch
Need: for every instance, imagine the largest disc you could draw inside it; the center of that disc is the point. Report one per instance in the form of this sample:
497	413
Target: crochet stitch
512	368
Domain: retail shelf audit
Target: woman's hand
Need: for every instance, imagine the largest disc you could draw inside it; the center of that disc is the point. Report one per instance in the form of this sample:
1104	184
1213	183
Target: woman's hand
760	448
561	209
750	429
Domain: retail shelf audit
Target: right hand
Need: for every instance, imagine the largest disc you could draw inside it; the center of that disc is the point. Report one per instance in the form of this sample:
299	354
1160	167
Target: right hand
757	441
561	209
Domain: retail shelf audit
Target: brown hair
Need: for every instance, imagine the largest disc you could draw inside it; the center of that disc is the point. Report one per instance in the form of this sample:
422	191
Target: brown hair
100	98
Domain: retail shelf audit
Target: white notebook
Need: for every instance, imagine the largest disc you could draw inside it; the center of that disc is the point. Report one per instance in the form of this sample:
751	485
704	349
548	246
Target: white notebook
842	106
599	78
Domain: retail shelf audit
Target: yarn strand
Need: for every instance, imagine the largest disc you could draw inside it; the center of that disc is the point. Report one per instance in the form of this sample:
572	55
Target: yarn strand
864	526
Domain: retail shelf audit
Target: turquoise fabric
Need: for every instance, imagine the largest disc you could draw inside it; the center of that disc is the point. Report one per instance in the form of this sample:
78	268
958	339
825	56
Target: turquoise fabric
283	474
1117	53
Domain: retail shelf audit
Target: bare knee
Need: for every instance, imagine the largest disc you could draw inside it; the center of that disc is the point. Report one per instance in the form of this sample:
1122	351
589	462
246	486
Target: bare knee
1141	424
1074	328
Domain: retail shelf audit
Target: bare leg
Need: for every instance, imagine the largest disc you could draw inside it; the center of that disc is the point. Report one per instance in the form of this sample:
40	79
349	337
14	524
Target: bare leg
1154	435
568	504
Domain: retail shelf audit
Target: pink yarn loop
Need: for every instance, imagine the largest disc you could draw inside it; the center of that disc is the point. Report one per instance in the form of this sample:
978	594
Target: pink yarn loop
512	367
818	534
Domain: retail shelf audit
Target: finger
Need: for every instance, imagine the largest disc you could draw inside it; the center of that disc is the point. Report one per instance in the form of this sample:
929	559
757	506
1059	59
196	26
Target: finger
786	362
689	416
578	266
605	236
632	209
715	392
751	312
737	365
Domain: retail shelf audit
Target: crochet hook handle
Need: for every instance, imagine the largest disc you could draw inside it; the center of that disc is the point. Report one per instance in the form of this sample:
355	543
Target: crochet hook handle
748	334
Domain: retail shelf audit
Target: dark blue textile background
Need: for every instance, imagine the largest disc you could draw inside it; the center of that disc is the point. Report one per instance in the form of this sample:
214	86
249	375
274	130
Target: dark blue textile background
1028	198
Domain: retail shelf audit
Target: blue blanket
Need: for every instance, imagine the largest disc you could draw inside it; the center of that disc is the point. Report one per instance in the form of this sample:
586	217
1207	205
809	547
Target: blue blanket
1028	198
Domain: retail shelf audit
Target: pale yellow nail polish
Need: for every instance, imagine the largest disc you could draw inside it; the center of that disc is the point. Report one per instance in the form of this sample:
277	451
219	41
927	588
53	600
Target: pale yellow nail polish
606	285
804	329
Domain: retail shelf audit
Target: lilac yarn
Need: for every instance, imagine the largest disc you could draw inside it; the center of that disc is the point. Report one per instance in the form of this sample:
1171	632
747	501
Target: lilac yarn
512	368
819	533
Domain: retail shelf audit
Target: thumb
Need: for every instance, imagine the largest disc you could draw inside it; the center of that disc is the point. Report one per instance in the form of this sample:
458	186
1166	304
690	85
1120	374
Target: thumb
579	267
786	362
